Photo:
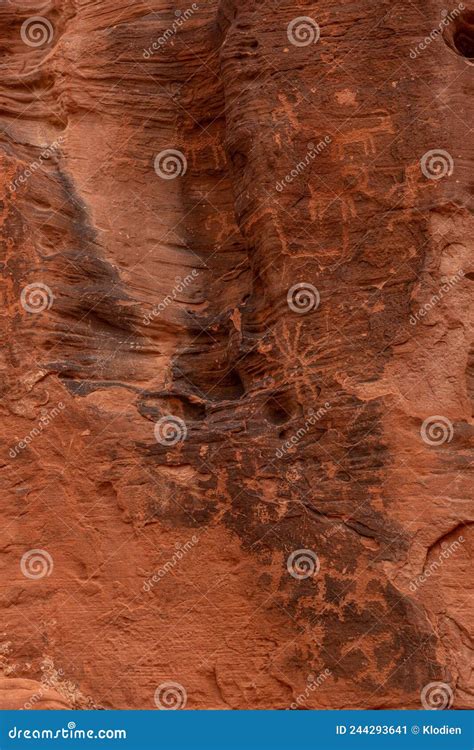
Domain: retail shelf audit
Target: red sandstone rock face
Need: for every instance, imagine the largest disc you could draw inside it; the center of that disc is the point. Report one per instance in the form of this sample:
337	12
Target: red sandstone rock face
23	695
315	145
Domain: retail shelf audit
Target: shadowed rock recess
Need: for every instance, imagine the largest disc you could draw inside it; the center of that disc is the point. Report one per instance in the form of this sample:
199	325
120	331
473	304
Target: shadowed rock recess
238	354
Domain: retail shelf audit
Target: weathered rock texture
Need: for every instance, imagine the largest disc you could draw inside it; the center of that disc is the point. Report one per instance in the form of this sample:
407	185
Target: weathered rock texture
170	297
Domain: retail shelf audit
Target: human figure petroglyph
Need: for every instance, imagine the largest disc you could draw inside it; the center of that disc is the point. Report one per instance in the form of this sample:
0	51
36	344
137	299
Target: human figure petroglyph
269	218
220	226
206	142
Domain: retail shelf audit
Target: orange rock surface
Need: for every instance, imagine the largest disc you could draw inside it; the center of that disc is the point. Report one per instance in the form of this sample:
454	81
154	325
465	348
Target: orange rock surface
237	362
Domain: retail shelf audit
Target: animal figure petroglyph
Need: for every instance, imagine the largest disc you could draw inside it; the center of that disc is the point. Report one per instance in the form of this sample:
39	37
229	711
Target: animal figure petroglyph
364	137
408	193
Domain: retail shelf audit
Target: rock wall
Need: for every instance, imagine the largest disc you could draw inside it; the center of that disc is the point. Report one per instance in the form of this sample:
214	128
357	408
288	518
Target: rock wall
237	371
